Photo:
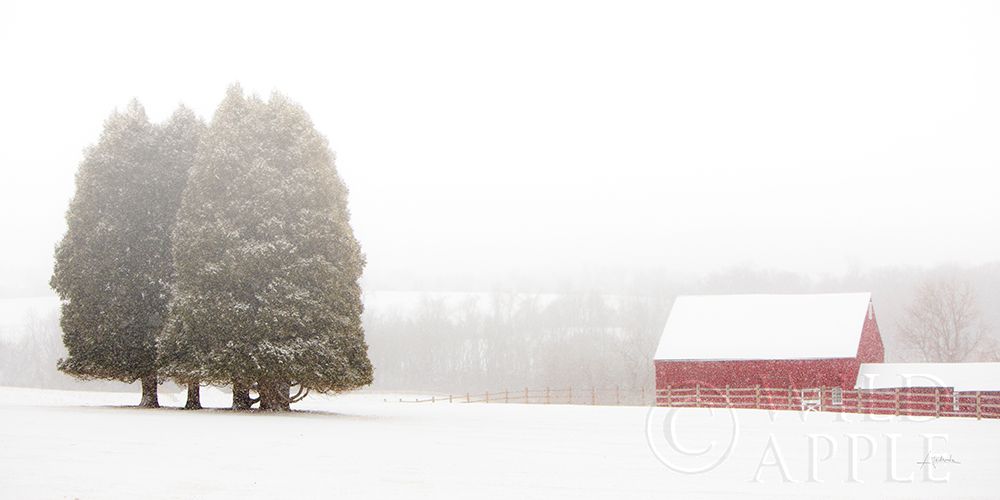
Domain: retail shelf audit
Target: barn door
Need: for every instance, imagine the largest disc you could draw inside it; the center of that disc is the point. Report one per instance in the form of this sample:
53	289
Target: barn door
810	398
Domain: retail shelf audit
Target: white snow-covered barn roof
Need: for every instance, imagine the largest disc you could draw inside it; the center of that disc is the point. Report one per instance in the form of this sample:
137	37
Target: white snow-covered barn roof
749	327
960	376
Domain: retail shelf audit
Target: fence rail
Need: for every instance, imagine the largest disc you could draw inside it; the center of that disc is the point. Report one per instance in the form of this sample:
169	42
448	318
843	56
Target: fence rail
941	402
618	396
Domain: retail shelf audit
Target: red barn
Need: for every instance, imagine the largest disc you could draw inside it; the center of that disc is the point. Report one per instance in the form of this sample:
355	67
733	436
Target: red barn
797	341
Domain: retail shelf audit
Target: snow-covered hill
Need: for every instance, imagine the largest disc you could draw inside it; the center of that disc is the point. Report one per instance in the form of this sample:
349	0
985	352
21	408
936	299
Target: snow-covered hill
87	445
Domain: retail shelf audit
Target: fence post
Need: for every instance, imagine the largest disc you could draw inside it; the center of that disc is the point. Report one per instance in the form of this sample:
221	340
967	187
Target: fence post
697	394
487	396
727	397
525	395
820	398
790	397
937	403
859	399
546	395
432	399
593	396
467	397
897	401
449	398
670	400
756	396
505	396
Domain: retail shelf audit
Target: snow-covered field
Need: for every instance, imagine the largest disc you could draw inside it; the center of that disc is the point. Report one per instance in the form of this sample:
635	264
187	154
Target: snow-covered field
87	445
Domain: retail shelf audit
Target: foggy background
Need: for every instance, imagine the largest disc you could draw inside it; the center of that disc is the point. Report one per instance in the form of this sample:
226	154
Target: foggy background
534	182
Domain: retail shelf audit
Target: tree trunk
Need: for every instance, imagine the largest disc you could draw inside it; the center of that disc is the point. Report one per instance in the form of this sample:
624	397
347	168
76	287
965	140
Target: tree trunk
149	396
241	396
194	397
274	395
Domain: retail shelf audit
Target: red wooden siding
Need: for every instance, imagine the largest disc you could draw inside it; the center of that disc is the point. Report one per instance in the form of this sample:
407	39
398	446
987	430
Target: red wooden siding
871	349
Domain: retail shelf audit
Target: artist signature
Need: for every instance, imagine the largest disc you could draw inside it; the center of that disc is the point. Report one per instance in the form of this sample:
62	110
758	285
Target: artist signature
934	460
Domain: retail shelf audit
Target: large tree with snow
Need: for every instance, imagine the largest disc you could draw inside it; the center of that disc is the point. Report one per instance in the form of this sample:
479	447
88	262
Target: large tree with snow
113	267
267	263
177	143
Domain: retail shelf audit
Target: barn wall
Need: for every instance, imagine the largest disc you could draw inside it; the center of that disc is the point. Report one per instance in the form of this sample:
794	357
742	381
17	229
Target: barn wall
871	349
766	373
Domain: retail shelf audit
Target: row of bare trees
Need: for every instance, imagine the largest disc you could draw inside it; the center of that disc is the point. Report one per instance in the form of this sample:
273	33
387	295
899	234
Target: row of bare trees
590	340
481	342
517	340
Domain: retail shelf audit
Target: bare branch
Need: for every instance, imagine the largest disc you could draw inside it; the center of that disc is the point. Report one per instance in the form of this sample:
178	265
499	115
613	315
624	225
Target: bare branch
943	322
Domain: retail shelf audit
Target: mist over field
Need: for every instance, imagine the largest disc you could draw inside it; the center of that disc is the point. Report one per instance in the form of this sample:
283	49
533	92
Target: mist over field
539	174
586	332
538	144
535	249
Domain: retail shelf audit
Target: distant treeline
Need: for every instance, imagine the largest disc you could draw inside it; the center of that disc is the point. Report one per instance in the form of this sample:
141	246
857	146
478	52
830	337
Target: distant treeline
590	339
578	337
517	341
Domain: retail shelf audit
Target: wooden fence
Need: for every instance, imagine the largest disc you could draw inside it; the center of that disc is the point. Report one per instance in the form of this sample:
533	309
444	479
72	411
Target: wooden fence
567	395
929	402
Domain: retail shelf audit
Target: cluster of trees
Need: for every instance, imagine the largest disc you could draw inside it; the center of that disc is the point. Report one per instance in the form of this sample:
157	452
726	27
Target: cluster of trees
213	254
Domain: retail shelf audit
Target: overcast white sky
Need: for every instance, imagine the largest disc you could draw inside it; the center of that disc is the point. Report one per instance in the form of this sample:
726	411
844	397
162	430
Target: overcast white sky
541	136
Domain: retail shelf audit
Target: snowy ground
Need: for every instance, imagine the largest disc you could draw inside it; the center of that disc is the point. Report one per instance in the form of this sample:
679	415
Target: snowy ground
86	445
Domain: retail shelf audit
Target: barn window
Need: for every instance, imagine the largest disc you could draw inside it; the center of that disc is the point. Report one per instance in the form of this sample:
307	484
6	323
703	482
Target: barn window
837	396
